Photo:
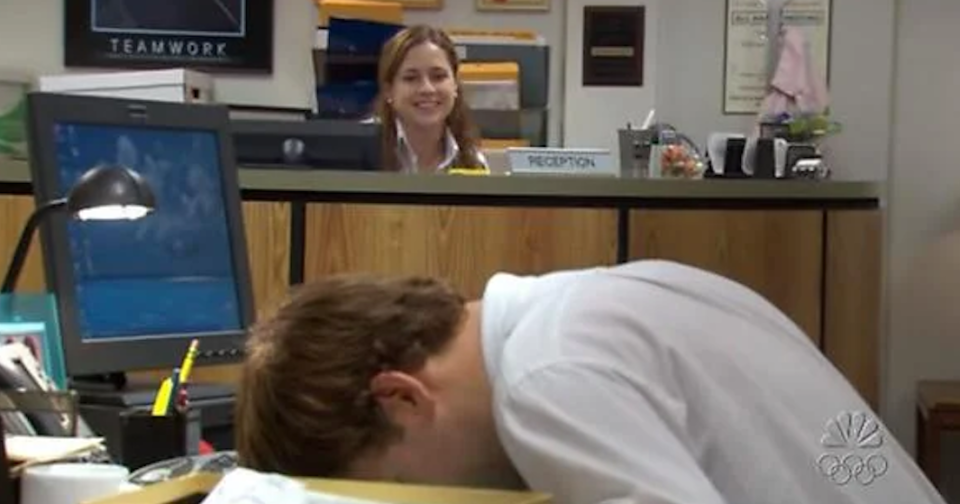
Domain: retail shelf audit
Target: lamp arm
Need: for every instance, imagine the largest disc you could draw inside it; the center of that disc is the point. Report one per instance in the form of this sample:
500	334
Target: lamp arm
26	237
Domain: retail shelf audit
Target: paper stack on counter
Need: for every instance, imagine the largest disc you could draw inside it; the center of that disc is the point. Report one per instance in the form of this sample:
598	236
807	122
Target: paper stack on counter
243	486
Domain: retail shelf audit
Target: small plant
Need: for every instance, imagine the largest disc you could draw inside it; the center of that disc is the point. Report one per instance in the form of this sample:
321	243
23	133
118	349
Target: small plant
807	127
12	133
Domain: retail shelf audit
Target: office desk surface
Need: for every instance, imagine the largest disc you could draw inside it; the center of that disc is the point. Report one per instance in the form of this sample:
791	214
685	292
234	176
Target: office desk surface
201	484
346	183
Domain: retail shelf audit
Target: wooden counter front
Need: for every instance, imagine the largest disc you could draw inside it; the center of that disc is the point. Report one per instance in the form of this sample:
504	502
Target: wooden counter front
778	253
464	244
811	248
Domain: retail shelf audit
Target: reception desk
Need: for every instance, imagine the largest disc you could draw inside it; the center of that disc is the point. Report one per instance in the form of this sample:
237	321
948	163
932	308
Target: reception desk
812	248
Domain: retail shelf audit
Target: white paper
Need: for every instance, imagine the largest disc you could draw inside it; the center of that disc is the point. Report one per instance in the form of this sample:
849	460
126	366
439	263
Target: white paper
243	486
47	448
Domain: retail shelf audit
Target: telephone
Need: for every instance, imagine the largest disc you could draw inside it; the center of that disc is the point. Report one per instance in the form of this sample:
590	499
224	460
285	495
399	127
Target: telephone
19	370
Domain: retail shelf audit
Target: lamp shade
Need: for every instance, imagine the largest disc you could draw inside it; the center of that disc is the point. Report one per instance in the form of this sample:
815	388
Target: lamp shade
110	192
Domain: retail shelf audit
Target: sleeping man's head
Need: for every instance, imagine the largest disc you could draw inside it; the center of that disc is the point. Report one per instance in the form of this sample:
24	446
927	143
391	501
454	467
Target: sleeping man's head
371	378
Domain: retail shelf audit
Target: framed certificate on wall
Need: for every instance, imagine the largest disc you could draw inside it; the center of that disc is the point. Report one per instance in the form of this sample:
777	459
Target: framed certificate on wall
750	52
209	35
613	45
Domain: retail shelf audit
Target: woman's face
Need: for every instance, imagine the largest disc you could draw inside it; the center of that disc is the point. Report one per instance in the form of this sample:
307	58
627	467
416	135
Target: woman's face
424	90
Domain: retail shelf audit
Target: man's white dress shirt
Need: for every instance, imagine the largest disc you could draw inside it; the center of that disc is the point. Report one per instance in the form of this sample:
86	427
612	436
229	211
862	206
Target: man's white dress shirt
657	383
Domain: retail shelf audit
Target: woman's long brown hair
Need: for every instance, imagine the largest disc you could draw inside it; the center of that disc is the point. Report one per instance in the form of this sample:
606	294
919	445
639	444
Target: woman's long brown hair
459	121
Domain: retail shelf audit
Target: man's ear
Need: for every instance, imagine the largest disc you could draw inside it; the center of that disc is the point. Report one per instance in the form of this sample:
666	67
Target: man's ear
403	398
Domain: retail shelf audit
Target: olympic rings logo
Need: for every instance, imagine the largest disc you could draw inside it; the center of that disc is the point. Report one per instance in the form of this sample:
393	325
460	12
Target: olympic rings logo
844	469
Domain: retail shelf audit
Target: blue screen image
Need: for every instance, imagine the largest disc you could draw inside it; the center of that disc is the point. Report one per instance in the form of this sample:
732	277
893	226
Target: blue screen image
171	272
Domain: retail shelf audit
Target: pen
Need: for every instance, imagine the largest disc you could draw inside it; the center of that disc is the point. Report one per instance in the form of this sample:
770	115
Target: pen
188	359
174	390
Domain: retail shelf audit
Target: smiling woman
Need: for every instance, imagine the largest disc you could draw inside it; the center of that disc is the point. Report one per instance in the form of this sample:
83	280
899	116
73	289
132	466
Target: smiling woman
425	119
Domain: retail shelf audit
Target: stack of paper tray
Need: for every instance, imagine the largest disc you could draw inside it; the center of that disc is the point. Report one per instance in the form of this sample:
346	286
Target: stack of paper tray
491	86
491	102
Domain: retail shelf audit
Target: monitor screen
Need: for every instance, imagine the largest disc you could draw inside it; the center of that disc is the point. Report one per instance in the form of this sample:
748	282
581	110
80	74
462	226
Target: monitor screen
169	273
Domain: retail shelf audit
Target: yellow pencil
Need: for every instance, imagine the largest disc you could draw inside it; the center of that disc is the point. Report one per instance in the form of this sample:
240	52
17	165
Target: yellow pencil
188	359
162	401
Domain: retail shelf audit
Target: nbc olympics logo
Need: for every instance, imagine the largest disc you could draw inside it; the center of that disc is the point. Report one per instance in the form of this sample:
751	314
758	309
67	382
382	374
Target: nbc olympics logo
853	440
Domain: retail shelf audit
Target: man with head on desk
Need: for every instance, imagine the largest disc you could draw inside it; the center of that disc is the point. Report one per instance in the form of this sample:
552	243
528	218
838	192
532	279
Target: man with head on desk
649	382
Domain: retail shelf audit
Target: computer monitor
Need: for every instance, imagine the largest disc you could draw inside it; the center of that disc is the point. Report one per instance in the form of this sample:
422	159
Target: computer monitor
133	294
320	144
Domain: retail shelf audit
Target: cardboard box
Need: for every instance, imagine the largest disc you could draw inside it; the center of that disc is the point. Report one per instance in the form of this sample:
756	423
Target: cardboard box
192	488
175	85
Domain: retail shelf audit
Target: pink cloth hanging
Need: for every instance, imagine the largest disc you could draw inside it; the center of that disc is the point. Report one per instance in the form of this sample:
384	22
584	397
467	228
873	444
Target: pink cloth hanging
796	87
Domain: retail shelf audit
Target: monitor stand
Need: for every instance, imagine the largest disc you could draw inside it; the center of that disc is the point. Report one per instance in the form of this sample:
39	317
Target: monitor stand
116	390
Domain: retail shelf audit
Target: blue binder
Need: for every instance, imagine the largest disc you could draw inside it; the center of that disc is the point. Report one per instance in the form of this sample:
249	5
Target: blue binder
358	37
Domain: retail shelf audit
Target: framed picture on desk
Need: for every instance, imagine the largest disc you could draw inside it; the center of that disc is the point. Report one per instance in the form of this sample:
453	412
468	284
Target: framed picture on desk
207	35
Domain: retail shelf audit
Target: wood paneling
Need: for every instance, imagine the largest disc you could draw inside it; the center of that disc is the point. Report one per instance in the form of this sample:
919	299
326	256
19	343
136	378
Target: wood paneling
777	253
465	245
852	297
267	226
14	212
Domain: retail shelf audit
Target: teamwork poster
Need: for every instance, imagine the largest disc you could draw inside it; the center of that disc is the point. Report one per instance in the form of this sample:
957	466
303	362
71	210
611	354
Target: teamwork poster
209	35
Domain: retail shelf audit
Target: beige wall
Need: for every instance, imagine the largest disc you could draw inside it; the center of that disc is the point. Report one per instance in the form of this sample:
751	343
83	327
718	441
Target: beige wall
593	114
924	225
690	78
685	68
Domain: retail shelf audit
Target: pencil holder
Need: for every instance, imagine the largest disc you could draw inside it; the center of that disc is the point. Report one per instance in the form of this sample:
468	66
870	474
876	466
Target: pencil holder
146	438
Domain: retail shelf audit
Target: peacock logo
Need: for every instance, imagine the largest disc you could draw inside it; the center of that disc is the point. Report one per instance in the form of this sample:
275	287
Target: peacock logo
854	441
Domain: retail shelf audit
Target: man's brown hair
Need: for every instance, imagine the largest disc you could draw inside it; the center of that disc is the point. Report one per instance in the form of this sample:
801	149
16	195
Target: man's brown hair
304	406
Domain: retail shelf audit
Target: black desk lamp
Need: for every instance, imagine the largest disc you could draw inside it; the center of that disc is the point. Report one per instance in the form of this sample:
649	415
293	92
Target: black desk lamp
103	193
